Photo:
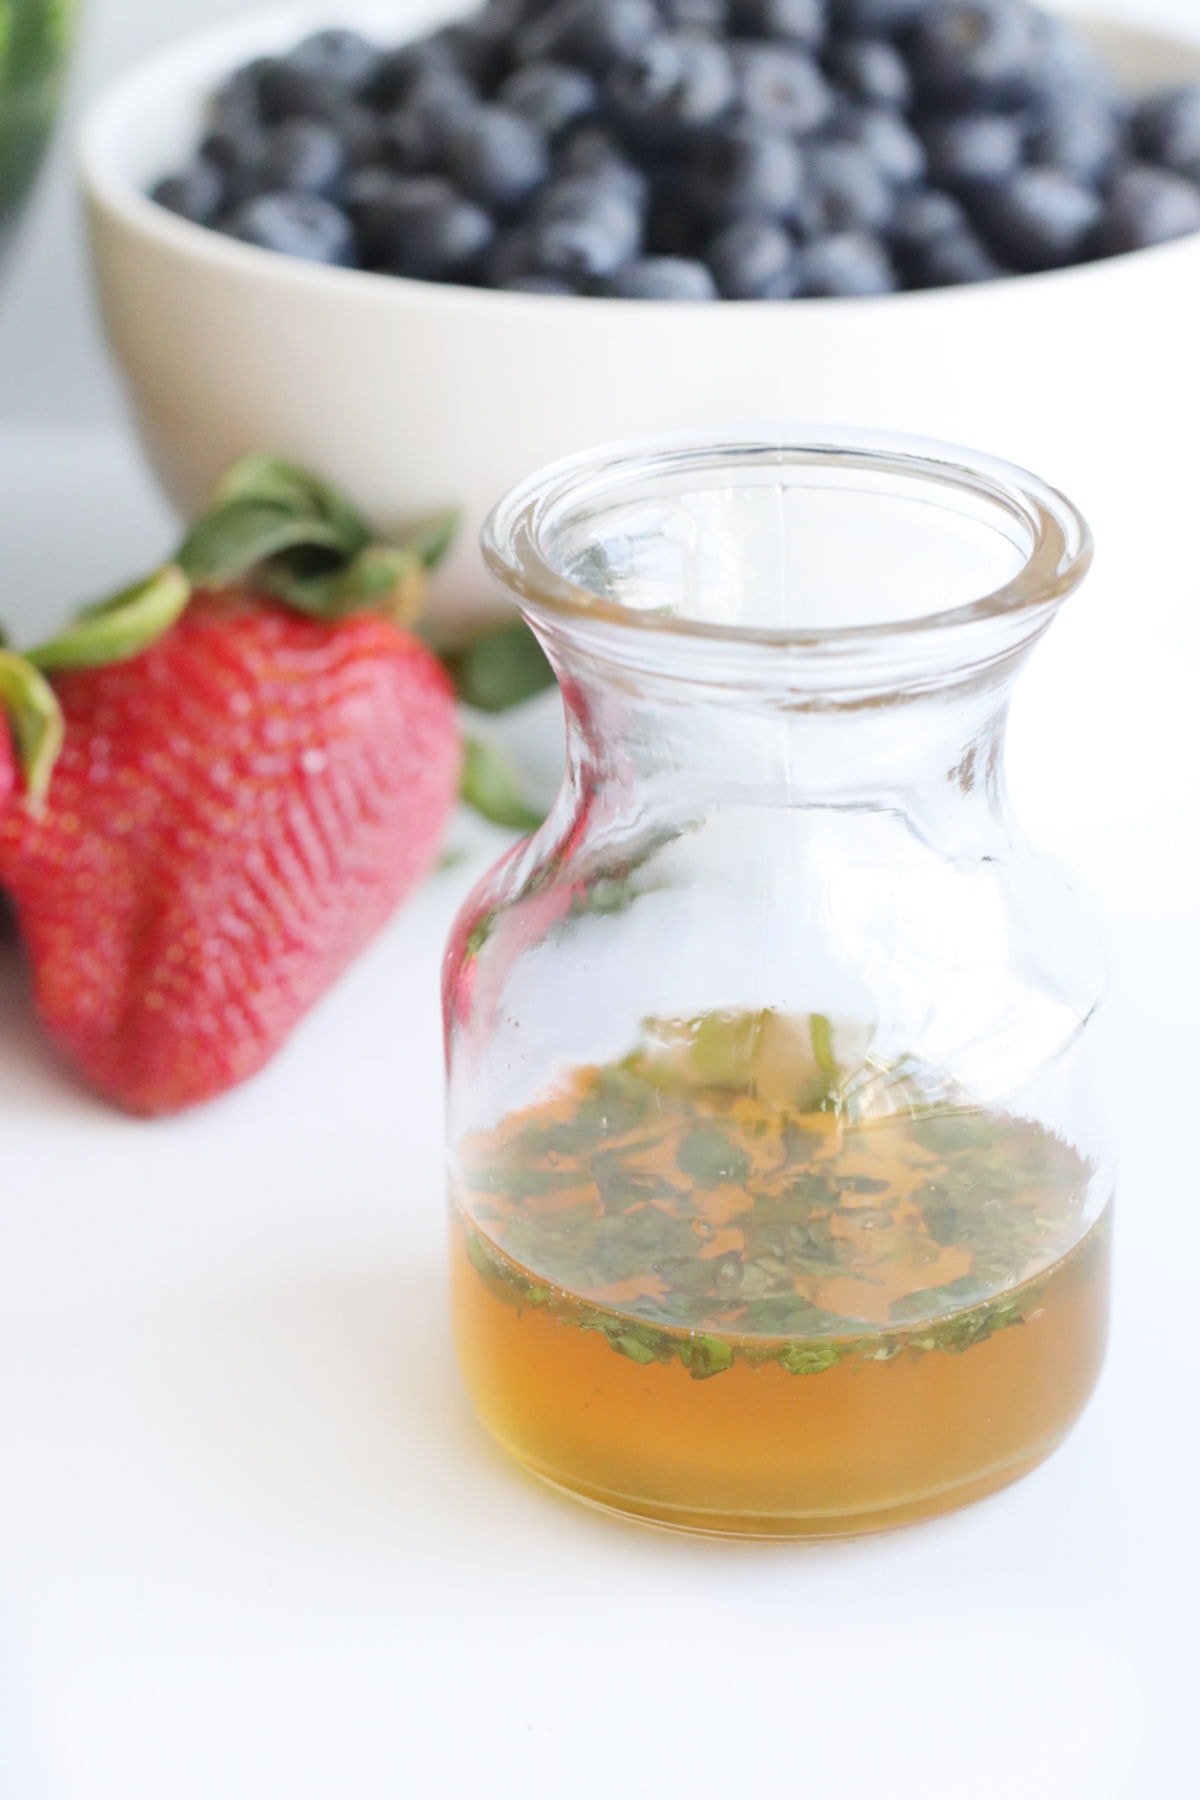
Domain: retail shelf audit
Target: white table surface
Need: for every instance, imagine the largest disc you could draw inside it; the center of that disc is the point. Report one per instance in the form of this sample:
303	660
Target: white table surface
252	1543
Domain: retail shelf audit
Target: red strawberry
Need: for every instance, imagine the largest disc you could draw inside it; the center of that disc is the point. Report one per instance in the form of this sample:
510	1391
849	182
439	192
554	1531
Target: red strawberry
8	774
236	810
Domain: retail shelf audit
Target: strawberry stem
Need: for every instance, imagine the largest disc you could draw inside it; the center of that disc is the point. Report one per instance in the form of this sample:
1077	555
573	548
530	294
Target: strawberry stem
119	628
36	721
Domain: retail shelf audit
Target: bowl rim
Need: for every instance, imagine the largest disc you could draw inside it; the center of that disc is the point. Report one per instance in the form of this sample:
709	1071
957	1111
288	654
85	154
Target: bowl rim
220	48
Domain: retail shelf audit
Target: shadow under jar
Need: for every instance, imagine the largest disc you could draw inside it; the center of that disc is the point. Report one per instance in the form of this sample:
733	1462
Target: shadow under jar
778	1154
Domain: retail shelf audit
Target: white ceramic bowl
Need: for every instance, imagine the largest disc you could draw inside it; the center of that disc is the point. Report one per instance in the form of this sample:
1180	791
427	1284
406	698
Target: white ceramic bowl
415	395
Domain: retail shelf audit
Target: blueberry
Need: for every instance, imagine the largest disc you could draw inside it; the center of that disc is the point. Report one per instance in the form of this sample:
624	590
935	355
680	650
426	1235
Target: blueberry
957	259
744	170
974	48
198	193
438	235
502	19
342	56
235	152
674	82
892	145
397	70
848	264
674	225
550	95
710	18
538	284
496	157
973	149
663	278
361	131
753	260
584	229
305	156
438	96
850	192
478	52
414	136
510	258
591	151
239	157
782	88
871	70
1166	128
302	225
1041	219
369	204
794	21
1079	134
409	143
418	226
1148	206
1068	66
235	106
924	216
874	18
288	91
593	34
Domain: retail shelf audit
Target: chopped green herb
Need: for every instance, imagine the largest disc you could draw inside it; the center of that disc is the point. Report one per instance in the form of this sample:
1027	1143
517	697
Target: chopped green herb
700	1203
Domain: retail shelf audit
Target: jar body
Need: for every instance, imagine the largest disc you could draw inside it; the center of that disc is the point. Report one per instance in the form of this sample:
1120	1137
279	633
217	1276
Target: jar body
778	1163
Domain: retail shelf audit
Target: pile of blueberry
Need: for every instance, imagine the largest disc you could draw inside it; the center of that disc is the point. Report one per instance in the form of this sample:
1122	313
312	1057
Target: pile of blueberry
699	149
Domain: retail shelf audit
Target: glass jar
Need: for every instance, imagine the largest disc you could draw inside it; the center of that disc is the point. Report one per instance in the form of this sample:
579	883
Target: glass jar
778	1155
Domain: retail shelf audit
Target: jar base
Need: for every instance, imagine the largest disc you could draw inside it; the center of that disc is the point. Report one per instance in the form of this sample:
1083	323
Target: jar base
914	1509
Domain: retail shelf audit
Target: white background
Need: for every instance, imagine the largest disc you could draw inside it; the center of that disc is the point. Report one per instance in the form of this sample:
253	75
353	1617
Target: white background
251	1542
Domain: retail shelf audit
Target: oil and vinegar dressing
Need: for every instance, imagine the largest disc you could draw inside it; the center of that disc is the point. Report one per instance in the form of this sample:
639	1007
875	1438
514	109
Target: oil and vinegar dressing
716	1286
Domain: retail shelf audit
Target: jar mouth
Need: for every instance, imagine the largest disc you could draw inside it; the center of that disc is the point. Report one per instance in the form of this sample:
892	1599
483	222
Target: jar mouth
805	537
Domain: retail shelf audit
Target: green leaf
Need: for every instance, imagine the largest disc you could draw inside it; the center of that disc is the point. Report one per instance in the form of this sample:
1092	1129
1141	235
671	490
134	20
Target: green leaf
704	1357
615	1105
121	627
640	1343
232	540
432	537
500	670
951	1297
36	721
712	1158
789	1315
822	1044
378	574
491	785
809	1359
272	481
950	1132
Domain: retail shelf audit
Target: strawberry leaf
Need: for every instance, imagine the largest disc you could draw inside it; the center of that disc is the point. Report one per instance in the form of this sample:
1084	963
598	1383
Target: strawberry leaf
379	579
270	481
36	720
500	670
227	544
430	538
492	787
121	627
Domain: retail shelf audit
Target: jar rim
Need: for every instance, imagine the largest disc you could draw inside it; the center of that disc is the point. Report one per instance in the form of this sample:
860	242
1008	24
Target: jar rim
1060	541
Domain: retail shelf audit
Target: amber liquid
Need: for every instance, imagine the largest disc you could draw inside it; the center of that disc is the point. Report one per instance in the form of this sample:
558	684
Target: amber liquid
943	1310
762	1453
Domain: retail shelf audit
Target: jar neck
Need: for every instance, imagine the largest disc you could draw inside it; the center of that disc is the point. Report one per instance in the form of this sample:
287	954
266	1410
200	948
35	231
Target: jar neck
665	750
